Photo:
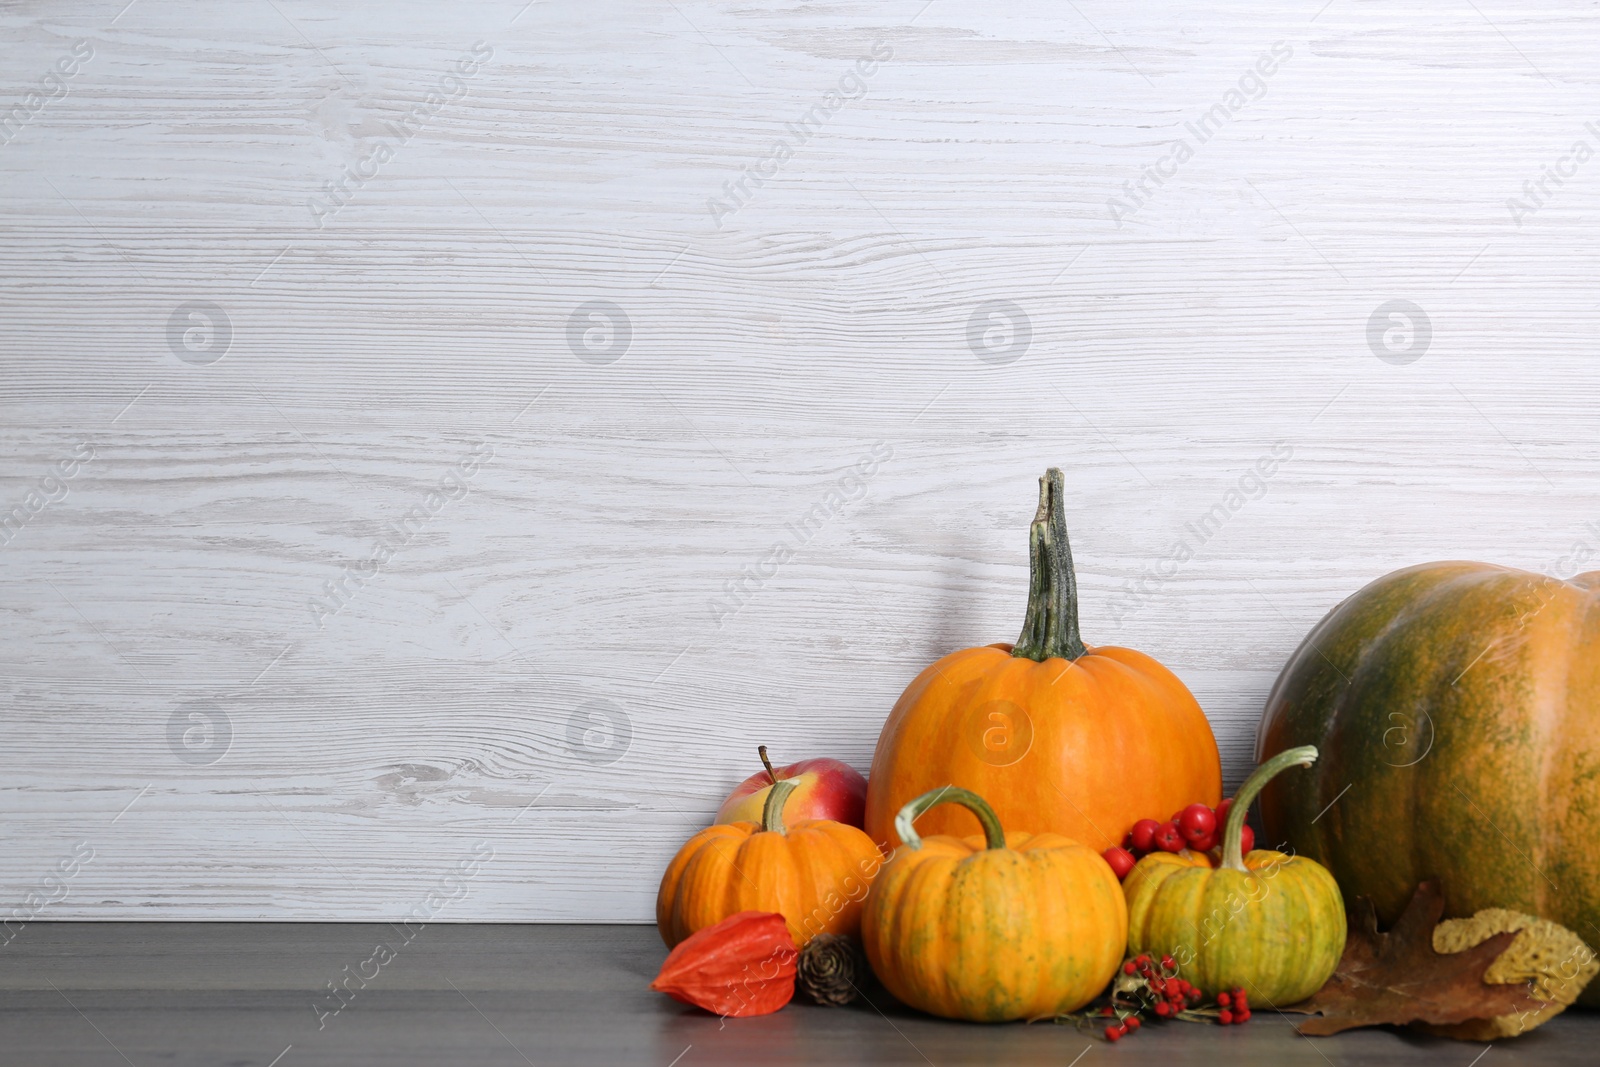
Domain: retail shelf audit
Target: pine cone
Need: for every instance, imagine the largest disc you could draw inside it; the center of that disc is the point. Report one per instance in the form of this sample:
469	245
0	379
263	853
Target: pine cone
832	969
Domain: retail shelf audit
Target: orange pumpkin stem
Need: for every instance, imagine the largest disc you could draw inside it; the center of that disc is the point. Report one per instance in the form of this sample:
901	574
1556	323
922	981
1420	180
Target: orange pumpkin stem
994	835
1232	853
1051	626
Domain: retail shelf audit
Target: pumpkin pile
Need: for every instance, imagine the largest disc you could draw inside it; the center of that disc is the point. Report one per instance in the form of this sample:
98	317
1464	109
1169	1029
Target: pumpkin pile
1006	859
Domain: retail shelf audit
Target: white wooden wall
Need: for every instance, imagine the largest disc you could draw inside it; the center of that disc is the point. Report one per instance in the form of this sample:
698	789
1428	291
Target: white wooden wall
252	399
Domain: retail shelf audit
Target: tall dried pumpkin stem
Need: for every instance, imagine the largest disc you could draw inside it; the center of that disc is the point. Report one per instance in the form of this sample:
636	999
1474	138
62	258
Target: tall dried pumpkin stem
1051	626
1232	854
994	835
772	812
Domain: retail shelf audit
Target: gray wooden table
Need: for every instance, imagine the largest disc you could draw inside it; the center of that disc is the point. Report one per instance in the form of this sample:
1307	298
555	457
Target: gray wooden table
256	994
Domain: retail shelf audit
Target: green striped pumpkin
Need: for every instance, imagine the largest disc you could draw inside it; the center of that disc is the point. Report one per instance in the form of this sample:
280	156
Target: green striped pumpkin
1457	709
1268	923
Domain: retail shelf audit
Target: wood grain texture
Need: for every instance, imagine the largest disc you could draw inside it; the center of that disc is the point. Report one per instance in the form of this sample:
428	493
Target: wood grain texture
583	566
256	994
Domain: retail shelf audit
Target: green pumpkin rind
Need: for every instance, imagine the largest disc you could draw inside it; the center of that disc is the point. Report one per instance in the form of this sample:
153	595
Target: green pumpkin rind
1460	705
1268	923
1276	932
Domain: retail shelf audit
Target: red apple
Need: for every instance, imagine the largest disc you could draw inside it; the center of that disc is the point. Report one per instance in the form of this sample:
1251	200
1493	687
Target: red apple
826	789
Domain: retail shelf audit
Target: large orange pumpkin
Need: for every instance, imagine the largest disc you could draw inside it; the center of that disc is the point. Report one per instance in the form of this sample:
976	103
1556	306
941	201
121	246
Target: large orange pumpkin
1457	709
1055	735
815	874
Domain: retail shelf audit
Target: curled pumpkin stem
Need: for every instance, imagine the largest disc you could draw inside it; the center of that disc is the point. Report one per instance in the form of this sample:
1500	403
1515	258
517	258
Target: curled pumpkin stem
1232	854
994	834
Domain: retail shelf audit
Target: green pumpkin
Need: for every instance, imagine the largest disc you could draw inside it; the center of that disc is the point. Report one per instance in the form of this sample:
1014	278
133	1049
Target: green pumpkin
1457	709
1268	923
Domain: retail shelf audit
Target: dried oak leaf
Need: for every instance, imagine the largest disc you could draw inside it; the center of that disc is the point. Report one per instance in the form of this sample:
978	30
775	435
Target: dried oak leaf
1397	977
1554	958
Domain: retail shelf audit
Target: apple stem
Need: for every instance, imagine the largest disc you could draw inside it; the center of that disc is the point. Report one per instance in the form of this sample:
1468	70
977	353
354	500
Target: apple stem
765	762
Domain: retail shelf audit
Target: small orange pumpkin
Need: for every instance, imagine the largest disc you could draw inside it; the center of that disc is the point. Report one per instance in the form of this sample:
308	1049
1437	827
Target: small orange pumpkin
1003	926
815	874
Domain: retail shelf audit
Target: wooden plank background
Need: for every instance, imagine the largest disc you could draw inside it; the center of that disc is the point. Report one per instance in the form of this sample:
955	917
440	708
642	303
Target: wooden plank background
529	401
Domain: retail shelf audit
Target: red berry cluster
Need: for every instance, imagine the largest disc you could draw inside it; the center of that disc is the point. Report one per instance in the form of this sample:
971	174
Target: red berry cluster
1147	985
1235	1008
1149	991
1196	827
1161	991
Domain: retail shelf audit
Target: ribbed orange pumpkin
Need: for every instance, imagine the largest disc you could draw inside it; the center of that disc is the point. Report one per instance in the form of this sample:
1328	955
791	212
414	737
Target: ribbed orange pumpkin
1055	735
991	928
815	874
